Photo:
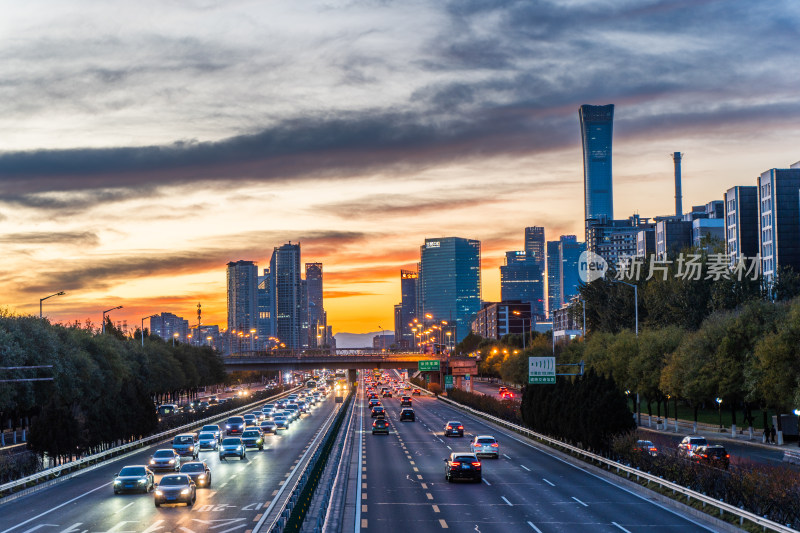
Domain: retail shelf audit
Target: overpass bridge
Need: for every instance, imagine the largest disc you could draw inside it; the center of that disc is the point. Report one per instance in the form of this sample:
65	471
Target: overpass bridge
308	361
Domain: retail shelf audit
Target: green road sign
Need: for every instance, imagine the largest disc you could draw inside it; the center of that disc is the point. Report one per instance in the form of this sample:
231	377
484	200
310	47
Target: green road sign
541	370
429	365
448	382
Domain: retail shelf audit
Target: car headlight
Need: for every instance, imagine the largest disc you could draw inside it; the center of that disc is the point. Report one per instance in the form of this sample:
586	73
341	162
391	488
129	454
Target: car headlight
239	447
172	461
184	492
191	448
227	426
201	477
142	481
152	461
159	493
117	482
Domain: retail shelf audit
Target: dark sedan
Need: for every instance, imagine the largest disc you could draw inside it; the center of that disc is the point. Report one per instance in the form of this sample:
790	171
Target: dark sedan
462	465
407	414
378	411
453	428
380	426
175	488
137	478
199	472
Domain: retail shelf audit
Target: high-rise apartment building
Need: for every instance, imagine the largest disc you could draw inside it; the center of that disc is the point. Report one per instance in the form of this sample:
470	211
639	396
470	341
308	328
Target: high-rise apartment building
535	246
408	309
562	275
616	240
779	218
521	279
450	282
242	278
265	325
288	295
741	223
169	326
317	330
597	123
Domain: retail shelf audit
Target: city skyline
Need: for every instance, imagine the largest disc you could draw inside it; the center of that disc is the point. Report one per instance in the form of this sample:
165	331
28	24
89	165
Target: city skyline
144	157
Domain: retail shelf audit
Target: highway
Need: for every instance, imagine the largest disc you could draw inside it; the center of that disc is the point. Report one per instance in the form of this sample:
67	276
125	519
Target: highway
403	485
239	493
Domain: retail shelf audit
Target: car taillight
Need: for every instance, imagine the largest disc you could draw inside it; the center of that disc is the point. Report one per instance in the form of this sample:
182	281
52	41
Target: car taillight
727	456
476	464
460	427
653	450
455	464
495	445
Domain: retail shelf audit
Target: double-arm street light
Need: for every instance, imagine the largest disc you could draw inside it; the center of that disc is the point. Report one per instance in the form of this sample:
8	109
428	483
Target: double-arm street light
108	311
62	293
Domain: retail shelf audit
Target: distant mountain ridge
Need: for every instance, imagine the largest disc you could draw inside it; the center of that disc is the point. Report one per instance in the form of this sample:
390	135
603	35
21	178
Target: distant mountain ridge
355	340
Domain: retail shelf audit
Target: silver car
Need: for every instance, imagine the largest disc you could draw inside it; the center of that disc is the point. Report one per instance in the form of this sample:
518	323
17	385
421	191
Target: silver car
207	441
485	445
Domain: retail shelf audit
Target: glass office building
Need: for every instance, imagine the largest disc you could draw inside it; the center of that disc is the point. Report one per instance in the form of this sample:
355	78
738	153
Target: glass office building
563	280
287	294
449	282
521	280
535	245
596	133
242	280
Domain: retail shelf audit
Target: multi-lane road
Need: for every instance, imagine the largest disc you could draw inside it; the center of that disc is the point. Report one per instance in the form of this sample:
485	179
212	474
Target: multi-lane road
403	486
240	493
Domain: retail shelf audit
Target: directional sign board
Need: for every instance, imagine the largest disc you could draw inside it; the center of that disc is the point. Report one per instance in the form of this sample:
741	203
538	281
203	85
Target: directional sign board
429	365
448	382
541	370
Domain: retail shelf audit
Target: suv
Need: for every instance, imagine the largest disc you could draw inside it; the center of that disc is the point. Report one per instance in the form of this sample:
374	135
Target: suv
232	447
416	392
713	455
407	414
462	465
381	425
405	401
646	446
486	445
234	425
689	445
184	444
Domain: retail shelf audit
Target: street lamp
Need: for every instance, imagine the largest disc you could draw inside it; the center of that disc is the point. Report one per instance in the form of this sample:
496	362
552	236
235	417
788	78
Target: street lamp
62	293
142	330
449	349
108	311
525	333
719	408
383	339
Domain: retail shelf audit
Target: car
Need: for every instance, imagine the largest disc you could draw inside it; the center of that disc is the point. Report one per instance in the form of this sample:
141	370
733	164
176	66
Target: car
207	441
234	425
185	445
462	465
267	427
268	408
199	472
165	460
135	478
387	393
281	423
506	395
381	425
416	392
281	404
232	447
405	401
454	428
252	438
407	413
259	416
645	446
249	420
689	444
175	488
502	389
213	428
378	412
485	445
374	401
713	455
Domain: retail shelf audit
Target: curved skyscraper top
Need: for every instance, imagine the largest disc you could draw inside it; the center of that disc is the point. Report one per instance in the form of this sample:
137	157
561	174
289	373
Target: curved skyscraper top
597	123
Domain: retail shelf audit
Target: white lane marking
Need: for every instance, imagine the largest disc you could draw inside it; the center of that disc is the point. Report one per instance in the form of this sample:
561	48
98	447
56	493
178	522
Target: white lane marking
525	467
123	508
449	448
507	457
580	502
508	502
622	528
536	529
54	508
549	482
484	480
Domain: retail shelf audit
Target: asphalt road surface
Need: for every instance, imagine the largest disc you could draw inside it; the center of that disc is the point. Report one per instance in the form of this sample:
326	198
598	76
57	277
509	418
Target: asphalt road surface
404	488
240	492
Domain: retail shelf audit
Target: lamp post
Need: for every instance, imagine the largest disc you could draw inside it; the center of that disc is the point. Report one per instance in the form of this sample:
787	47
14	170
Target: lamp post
525	333
142	330
252	339
383	339
108	311
62	293
174	336
719	409
449	349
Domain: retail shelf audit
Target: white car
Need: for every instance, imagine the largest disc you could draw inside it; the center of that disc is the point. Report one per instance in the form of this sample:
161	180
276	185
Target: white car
485	445
689	445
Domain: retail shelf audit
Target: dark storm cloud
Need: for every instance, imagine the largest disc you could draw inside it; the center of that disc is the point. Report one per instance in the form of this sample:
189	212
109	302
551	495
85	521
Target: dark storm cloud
78	238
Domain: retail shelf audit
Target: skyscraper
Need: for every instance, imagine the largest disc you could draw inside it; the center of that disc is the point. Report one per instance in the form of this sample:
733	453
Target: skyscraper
521	280
450	282
553	277
265	325
408	308
316	312
596	134
242	277
563	280
779	216
535	246
741	223
287	295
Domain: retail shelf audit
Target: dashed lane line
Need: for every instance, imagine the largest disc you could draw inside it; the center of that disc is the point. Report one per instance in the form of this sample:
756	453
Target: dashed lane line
622	528
549	482
525	467
505	500
485	481
580	502
536	529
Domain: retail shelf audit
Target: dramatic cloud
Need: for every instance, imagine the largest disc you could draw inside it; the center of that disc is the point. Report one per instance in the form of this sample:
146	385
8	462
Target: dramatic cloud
83	238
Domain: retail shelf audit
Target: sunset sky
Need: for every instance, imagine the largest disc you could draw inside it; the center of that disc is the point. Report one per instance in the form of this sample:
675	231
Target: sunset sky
146	144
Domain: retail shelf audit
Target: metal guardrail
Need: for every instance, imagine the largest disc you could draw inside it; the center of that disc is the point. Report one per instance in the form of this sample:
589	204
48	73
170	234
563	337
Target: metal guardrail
284	513
594	458
14	486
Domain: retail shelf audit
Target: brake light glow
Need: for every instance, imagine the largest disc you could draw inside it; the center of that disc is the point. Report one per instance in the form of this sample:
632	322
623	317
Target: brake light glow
476	464
495	445
460	427
455	464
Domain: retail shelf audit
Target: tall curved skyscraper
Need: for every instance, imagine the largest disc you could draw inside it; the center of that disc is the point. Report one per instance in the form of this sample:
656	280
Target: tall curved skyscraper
597	123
